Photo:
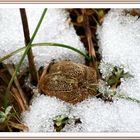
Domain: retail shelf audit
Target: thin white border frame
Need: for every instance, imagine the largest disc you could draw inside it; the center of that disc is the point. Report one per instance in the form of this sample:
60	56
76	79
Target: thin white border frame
65	135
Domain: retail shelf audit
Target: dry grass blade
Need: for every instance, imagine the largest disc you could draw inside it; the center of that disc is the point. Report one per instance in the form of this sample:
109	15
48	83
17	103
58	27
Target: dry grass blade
21	98
44	72
16	95
19	126
88	34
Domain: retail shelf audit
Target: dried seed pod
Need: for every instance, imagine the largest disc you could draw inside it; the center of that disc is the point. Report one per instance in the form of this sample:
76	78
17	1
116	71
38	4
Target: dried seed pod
69	82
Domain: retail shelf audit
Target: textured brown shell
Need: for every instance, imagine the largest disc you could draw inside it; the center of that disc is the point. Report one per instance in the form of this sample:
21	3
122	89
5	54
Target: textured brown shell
69	82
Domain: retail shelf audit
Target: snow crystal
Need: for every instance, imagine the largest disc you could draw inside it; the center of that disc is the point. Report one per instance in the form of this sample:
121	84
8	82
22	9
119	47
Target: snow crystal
95	115
119	41
55	28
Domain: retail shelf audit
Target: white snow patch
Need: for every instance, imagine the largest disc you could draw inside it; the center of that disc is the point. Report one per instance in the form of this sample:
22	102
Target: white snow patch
119	116
54	28
41	113
119	41
95	115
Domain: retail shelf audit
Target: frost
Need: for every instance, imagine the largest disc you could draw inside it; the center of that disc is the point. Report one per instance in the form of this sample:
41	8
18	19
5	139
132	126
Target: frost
119	41
55	28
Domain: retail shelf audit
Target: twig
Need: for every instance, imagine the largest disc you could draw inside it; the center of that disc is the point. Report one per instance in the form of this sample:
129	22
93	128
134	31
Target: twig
32	68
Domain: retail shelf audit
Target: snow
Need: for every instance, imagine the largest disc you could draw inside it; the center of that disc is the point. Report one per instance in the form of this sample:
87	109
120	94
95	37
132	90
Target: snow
42	111
55	28
119	41
119	116
95	115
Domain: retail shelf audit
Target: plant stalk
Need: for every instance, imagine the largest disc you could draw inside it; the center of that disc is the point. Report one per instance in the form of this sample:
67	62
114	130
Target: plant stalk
32	68
91	49
7	93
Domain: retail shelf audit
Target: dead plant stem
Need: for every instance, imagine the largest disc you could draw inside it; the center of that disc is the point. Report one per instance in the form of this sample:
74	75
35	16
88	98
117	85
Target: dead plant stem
88	34
32	68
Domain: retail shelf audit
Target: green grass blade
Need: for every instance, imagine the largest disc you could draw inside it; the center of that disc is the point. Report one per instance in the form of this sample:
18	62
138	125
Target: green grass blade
63	46
11	54
7	93
45	45
128	98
